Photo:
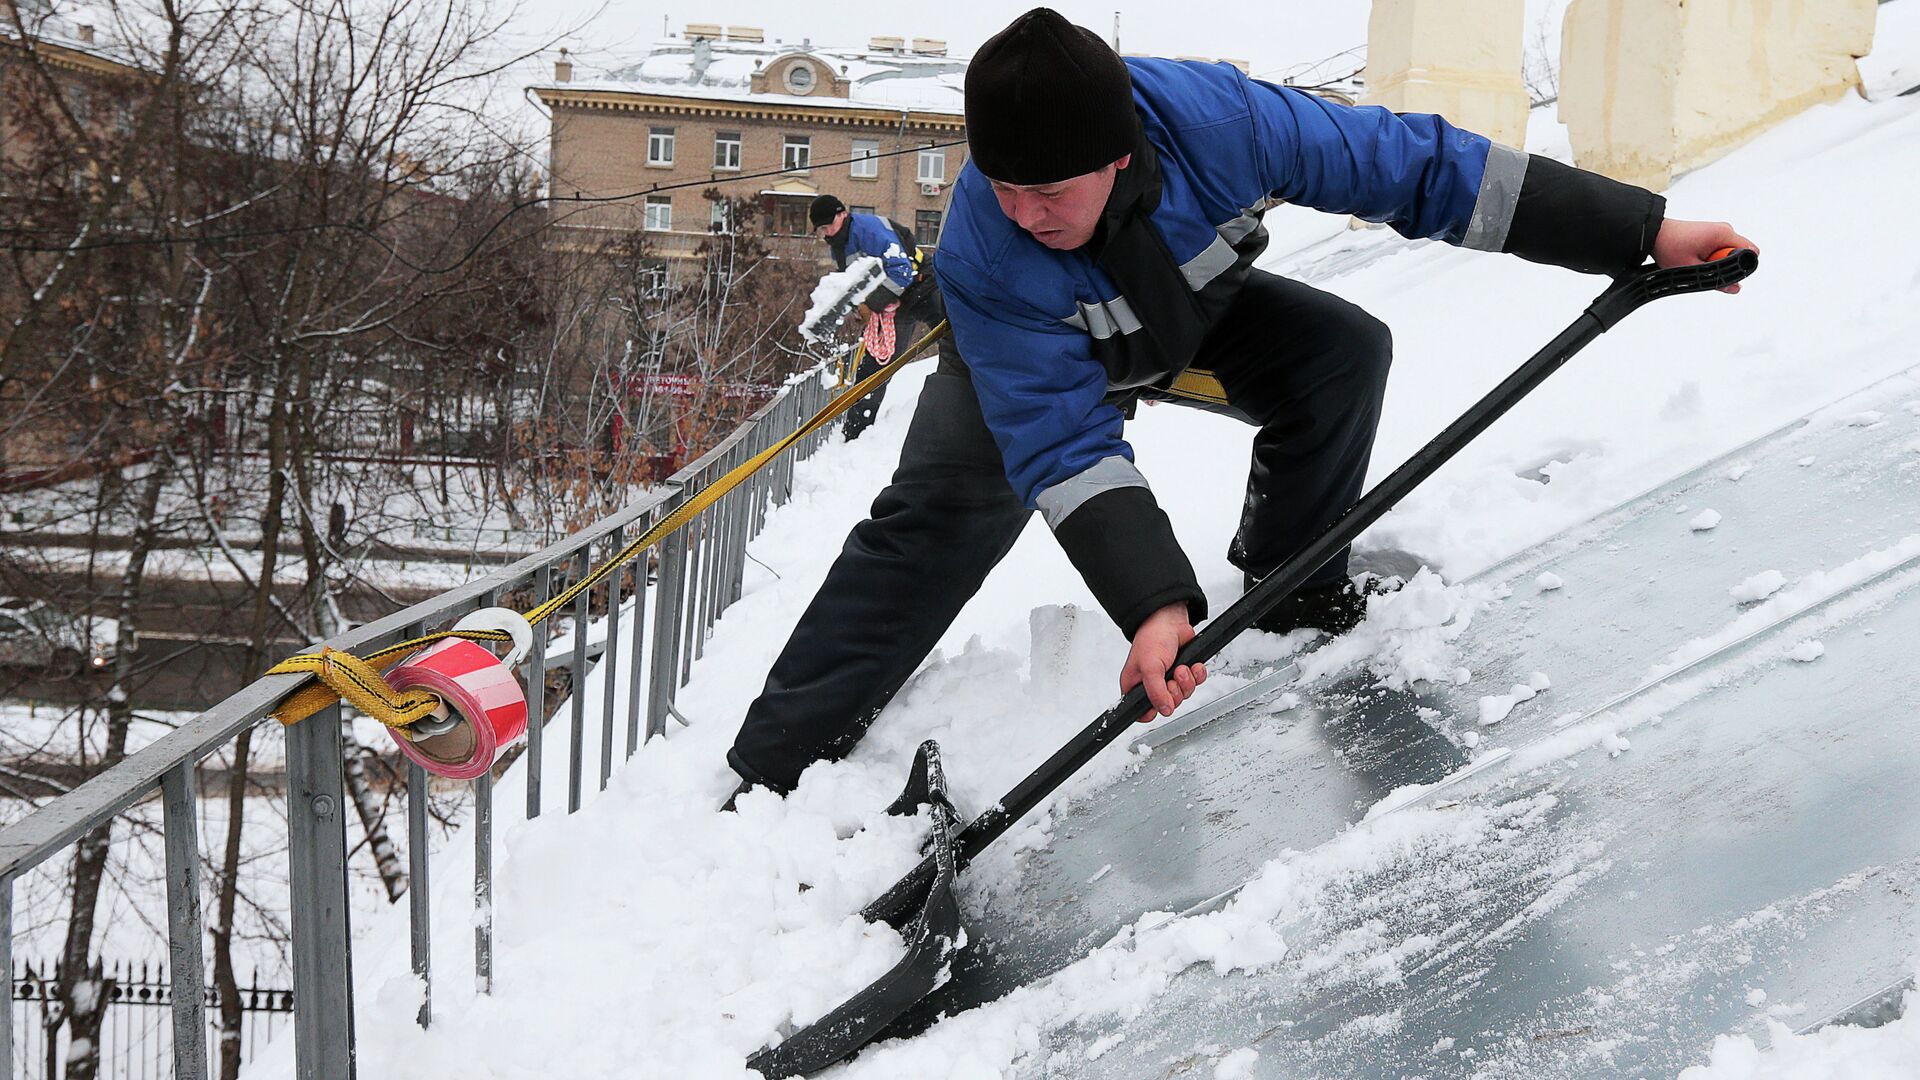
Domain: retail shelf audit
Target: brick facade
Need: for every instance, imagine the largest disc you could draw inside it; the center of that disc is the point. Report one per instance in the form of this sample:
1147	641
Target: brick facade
601	139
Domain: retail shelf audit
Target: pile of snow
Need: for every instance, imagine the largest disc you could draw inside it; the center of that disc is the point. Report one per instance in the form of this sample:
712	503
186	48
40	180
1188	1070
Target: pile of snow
838	293
1831	1053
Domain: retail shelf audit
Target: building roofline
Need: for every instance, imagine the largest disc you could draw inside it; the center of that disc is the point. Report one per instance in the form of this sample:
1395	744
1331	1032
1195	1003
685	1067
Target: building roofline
72	56
830	111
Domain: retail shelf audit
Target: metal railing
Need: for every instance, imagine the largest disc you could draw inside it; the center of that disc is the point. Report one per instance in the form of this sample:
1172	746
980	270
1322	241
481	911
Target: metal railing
136	1042
699	574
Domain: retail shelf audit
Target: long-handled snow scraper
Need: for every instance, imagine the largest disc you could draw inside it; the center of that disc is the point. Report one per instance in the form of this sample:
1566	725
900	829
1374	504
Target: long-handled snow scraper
921	904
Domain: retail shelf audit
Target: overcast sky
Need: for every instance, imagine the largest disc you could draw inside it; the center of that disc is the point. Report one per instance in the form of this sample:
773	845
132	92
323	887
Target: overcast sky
1270	35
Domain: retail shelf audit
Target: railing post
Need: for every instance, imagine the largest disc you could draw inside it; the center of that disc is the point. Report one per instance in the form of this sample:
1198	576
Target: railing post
578	714
637	662
483	867
610	661
322	956
666	632
537	693
182	837
6	972
483	883
419	893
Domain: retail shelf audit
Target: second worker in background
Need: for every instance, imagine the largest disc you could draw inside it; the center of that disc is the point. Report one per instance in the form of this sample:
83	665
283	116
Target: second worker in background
904	306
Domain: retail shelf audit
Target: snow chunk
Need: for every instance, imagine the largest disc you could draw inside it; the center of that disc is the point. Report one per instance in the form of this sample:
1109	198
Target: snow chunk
854	284
1808	651
1548	581
1740	470
1865	419
1806	461
1494	708
1704	521
1237	1065
1758	587
1756	997
1538	681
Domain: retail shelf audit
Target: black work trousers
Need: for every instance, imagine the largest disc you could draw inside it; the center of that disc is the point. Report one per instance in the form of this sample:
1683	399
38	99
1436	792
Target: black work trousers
1308	368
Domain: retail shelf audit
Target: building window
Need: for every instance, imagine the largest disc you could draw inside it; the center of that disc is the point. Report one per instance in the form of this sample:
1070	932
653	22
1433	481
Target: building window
721	218
726	150
654	279
866	159
860	209
659	213
933	166
790	217
800	79
926	227
797	155
660	146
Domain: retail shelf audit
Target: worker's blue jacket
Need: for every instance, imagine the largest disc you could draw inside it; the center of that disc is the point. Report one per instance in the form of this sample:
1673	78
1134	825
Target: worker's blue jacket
1057	341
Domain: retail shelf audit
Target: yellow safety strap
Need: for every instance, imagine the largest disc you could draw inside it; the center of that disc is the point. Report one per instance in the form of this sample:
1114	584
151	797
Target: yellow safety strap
358	681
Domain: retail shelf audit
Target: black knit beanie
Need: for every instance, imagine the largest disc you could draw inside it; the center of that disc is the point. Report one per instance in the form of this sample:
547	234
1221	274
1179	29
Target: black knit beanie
1047	101
824	209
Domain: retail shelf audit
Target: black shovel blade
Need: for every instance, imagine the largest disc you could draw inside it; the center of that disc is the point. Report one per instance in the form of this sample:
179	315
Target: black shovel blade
930	925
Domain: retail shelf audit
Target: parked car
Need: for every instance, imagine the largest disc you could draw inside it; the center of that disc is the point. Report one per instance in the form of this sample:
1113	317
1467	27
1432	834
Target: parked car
35	634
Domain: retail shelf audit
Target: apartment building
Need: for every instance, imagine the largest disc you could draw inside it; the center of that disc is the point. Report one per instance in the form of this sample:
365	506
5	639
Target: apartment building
723	109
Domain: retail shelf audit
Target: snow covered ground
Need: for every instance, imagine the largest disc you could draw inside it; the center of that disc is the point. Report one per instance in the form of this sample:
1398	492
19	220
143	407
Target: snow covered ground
648	936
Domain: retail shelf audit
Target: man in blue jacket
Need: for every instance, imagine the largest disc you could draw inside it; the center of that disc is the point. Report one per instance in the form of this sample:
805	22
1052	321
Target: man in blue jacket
906	294
1099	249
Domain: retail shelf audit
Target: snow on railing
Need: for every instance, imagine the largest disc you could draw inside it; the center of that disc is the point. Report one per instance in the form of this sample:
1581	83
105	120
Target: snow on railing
699	574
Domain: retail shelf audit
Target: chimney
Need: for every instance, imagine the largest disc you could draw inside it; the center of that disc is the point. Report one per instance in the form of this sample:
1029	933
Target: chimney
86	35
750	34
929	46
886	44
710	31
563	68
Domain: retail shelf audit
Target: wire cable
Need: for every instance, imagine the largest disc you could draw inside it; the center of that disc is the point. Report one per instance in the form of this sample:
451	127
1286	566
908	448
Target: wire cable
472	251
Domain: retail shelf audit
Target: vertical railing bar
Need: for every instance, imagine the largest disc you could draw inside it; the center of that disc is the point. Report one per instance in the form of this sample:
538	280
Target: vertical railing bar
537	693
483	882
577	716
483	865
723	566
689	595
180	832
636	665
419	894
694	645
323	1041
666	625
610	661
6	972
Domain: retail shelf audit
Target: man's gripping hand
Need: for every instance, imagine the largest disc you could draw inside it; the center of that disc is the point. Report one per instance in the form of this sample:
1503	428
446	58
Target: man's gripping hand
1155	645
1690	243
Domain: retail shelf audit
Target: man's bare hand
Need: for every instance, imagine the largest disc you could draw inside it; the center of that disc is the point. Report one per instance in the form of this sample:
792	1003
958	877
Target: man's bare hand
1155	646
1690	243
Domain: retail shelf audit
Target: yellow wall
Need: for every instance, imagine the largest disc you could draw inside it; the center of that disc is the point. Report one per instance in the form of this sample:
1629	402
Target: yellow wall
1652	88
1459	58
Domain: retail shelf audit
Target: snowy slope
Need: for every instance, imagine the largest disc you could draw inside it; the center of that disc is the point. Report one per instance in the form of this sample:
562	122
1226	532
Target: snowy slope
649	936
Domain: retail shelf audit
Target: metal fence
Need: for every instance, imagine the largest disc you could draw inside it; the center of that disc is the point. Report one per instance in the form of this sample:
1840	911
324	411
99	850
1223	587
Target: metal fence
136	1038
699	573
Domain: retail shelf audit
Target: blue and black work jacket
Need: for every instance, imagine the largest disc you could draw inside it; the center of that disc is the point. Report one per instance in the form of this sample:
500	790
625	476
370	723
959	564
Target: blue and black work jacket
1057	341
890	242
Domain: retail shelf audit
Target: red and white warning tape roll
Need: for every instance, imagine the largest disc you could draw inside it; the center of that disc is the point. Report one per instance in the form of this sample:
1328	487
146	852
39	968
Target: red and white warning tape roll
482	695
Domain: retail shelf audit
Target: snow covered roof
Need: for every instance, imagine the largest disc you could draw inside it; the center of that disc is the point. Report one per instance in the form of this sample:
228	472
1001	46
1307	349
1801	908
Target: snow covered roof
66	40
891	78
